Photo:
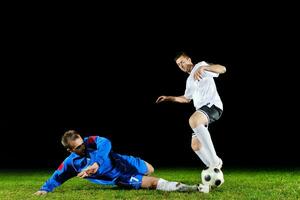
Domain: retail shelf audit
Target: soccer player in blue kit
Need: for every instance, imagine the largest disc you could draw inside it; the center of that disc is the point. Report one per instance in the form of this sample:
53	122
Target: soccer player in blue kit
92	158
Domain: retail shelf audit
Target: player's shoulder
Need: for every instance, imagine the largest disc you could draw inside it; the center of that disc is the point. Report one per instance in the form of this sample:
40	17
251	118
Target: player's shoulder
202	63
91	139
94	139
198	65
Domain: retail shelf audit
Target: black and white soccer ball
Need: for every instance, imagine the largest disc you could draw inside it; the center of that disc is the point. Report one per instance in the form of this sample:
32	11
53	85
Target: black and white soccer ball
213	177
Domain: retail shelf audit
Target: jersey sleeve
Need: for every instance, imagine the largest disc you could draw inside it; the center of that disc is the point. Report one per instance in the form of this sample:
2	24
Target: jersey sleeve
209	74
206	73
64	172
103	148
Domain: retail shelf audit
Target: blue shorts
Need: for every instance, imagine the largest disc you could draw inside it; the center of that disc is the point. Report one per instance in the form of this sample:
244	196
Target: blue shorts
132	170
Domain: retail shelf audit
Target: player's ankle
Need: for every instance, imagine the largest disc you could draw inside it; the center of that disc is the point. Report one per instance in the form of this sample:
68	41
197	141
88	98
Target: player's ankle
203	188
219	165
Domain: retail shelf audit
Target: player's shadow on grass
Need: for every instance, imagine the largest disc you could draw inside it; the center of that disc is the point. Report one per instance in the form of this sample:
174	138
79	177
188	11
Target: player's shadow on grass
98	187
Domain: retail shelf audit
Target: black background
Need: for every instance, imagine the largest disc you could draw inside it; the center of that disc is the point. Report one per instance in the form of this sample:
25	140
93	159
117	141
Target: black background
100	73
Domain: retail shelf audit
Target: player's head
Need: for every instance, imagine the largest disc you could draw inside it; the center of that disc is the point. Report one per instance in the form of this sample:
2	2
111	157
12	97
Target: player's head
73	142
184	62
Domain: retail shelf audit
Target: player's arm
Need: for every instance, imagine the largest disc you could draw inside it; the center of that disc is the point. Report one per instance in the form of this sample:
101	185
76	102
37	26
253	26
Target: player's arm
216	69
64	172
103	148
89	171
177	99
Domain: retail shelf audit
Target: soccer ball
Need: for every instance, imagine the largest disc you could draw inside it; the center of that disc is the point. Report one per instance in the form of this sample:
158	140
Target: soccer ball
213	177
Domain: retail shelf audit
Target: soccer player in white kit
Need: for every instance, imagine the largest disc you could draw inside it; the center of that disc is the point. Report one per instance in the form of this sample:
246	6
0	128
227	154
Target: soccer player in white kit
201	88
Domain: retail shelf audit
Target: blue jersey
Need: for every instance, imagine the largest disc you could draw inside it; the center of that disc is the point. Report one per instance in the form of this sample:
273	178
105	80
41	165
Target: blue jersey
113	168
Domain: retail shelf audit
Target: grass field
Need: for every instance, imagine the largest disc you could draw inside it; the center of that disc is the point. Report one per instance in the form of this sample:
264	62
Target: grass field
239	184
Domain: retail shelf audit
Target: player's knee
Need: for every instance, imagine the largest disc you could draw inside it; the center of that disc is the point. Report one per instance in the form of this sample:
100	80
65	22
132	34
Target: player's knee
191	121
197	119
150	168
196	145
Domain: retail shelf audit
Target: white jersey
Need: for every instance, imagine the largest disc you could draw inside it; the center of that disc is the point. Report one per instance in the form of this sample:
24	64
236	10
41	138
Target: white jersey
204	91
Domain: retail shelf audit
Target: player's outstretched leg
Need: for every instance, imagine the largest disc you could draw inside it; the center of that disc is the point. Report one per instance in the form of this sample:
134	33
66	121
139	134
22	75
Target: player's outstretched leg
164	185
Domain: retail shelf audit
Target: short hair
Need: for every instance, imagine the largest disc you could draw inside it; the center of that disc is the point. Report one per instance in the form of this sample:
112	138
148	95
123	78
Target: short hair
182	53
69	135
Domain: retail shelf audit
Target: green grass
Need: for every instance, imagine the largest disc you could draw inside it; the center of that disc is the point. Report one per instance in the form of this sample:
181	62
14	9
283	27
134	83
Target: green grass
239	184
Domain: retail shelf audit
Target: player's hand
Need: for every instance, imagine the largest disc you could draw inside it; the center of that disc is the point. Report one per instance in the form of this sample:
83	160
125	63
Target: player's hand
82	174
89	171
92	169
40	192
199	73
162	98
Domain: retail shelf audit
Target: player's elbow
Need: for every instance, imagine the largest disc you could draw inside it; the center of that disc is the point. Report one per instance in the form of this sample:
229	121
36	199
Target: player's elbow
182	99
222	69
186	100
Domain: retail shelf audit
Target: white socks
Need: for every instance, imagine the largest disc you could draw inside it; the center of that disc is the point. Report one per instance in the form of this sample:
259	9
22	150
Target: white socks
174	186
207	152
202	154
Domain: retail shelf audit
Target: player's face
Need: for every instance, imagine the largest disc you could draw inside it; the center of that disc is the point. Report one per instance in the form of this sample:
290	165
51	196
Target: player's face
77	146
185	64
